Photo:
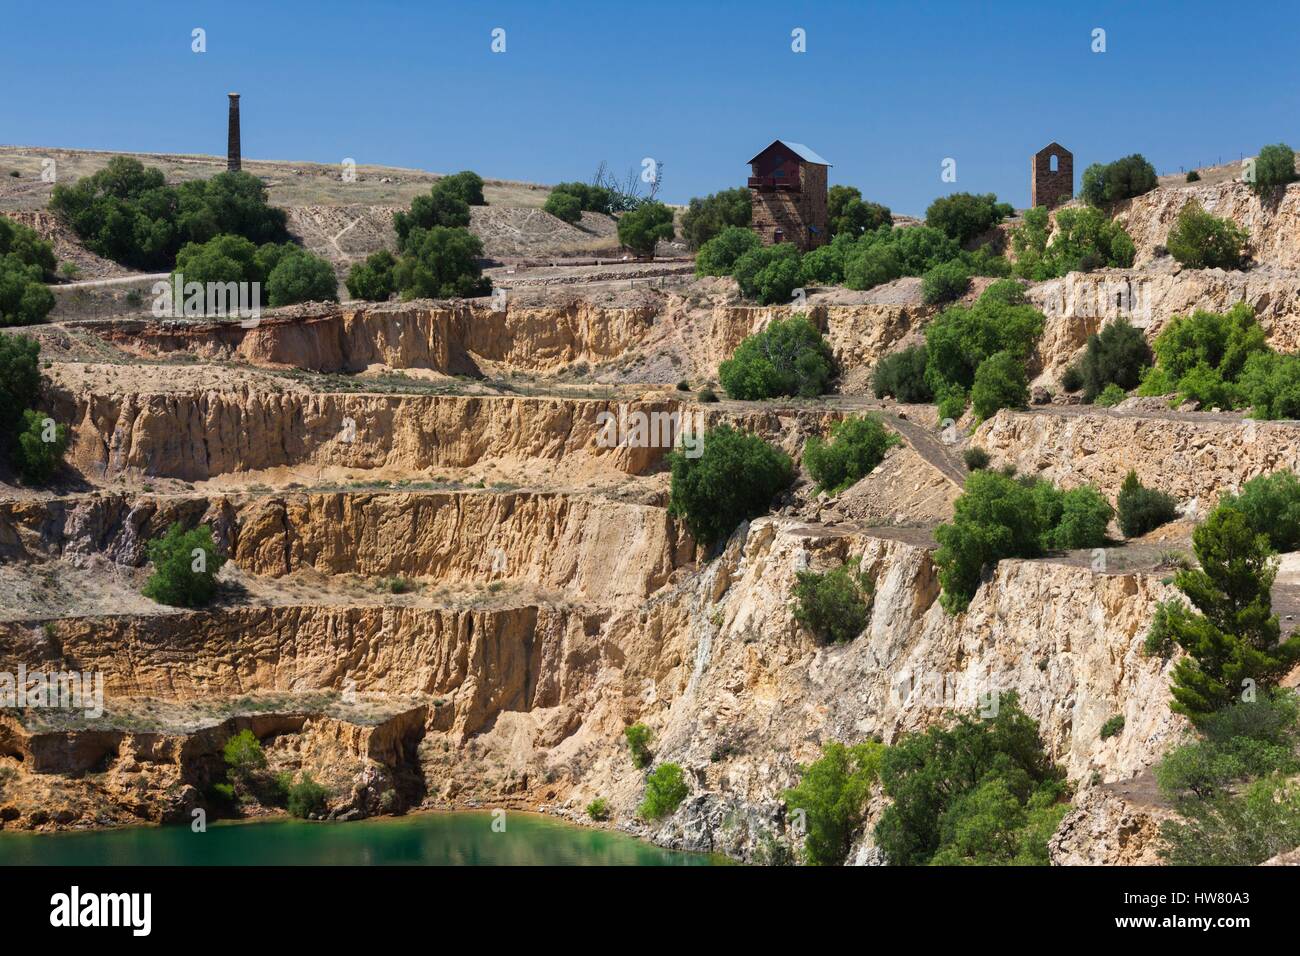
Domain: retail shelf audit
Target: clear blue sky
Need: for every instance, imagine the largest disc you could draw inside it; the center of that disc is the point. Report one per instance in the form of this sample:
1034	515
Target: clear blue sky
885	91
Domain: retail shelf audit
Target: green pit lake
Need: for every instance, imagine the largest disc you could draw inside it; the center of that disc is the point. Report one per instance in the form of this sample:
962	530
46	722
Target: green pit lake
418	839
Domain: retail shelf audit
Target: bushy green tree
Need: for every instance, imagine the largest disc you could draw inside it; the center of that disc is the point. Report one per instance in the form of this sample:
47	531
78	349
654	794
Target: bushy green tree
832	794
999	383
768	273
244	756
20	383
642	228
185	567
27	248
1199	240
1248	739
24	298
563	206
1115	355
441	263
1274	166
1230	633
1086	239
224	258
307	797
373	279
835	605
981	791
718	255
1271	505
443	206
857	446
789	357
1270	385
465	185
964	216
1142	509
871	265
638	744
1235	829
1105	183
734	479
126	212
40	448
300	276
945	283
847	214
825	264
665	789
901	375
591	197
1077	518
712	215
1203	355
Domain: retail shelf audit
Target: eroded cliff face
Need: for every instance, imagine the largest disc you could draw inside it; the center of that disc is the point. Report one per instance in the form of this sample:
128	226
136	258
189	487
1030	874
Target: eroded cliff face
448	337
614	551
1082	302
1194	457
1273	221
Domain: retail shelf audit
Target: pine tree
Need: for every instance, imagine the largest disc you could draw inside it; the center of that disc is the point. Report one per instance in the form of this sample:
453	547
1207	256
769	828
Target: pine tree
1234	639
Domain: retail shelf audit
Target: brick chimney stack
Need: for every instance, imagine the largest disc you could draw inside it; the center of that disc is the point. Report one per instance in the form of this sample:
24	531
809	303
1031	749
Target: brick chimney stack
232	136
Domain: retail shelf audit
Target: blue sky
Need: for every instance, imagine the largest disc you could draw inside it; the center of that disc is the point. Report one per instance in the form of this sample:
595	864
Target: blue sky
886	90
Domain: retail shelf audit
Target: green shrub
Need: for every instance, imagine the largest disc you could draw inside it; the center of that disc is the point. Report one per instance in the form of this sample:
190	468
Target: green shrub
950	401
1193	176
717	256
638	744
224	258
129	214
832	794
871	265
440	263
1235	830
244	756
563	206
185	567
768	273
591	197
847	214
902	376
1270	384
945	282
1076	518
222	793
1113	726
1232	635
733	480
1271	505
961	338
1085	240
26	263
856	447
1114	356
1220	341
1111	396
999	383
1248	739
23	245
708	395
1274	166
444	206
975	458
20	384
307	797
834	605
789	357
1142	509
981	791
964	216
373	280
665	789
1105	183
300	276
1072	379
825	264
709	217
1199	240
598	809
683	386
644	227
40	448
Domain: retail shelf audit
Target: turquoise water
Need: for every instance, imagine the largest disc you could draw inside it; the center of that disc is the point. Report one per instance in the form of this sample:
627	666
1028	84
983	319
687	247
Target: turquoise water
419	839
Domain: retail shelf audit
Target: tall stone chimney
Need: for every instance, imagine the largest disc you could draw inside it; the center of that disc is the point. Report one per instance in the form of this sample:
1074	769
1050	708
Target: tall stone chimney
232	136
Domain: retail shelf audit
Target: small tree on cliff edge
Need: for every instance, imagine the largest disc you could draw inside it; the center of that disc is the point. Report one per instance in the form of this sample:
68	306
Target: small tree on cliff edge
1233	642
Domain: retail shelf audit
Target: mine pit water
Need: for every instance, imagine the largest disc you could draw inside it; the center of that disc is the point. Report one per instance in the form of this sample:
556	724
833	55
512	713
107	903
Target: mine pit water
419	839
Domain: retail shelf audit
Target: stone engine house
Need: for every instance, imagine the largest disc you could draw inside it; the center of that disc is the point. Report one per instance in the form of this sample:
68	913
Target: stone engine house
787	185
1051	178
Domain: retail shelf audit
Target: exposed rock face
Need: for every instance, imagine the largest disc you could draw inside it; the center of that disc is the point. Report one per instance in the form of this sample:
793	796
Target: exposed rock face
1105	829
584	545
1273	222
444	337
1192	457
1082	302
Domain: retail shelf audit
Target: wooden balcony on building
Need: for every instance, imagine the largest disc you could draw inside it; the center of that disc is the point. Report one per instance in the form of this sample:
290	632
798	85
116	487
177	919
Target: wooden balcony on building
774	183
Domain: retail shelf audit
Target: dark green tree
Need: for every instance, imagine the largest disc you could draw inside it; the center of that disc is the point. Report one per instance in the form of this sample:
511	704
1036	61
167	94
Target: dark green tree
964	216
789	357
709	217
832	794
1105	183
734	479
857	446
644	227
835	605
1202	241
185	567
441	263
373	279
